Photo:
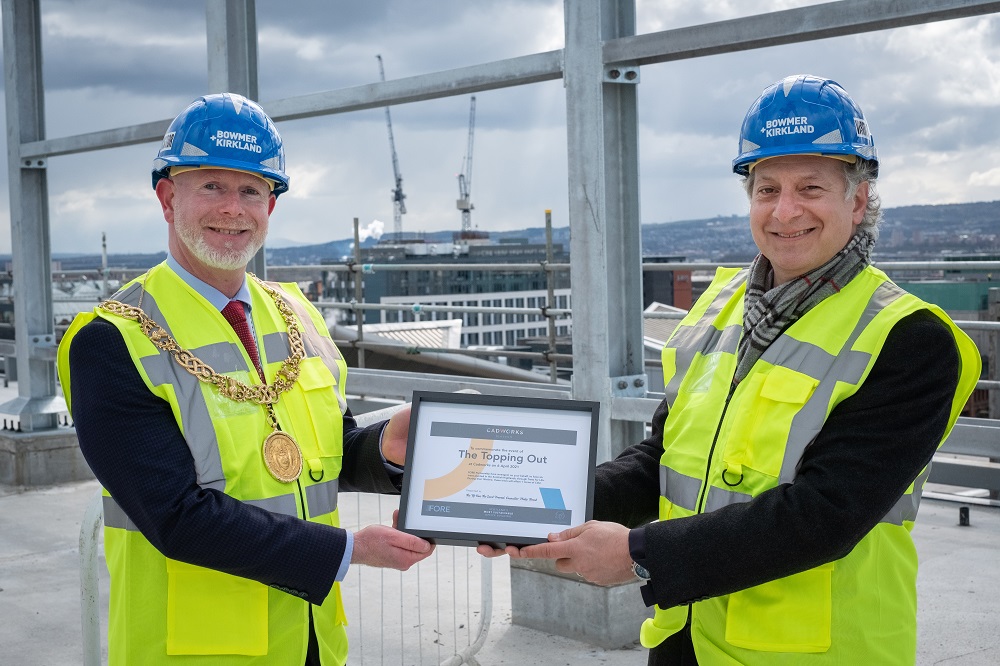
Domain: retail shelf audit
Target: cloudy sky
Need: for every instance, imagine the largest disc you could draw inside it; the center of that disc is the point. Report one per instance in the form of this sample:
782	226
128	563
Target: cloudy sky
931	94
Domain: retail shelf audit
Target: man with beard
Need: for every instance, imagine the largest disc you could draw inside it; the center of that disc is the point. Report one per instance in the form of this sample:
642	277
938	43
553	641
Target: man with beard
210	404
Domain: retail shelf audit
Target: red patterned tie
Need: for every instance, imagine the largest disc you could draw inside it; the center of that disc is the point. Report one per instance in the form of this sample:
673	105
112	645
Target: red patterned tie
237	318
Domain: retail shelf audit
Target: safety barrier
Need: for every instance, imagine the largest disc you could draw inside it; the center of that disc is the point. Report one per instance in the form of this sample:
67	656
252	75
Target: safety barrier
432	614
969	462
421	616
90	604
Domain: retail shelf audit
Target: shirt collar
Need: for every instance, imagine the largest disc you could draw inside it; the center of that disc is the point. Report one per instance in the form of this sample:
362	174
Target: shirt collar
207	291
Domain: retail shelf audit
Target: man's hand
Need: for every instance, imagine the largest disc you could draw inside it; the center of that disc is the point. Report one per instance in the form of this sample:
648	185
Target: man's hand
487	550
596	550
394	436
387	547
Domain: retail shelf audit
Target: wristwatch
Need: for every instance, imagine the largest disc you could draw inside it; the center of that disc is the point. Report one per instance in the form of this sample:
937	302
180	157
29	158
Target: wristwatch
641	572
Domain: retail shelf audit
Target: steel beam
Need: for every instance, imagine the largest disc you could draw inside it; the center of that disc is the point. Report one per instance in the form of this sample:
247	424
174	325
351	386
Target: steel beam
831	19
518	71
397	385
231	27
966	473
974	437
36	405
605	247
83	143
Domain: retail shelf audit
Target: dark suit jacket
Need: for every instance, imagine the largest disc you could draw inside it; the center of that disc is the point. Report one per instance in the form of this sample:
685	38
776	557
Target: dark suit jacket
135	448
870	449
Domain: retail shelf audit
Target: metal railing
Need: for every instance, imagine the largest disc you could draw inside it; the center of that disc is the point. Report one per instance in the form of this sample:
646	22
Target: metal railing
969	459
423	616
435	613
551	315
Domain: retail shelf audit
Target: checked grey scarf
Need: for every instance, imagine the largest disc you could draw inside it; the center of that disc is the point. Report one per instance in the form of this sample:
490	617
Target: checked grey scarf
768	311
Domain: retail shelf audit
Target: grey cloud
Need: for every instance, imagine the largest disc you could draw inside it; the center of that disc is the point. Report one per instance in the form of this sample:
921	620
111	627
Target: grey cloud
112	62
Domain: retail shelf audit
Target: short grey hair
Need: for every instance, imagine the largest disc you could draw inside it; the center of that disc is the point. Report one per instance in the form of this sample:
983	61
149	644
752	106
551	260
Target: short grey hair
861	171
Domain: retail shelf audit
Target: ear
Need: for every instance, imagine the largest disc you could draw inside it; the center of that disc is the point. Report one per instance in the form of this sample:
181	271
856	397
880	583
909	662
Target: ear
270	203
165	190
860	203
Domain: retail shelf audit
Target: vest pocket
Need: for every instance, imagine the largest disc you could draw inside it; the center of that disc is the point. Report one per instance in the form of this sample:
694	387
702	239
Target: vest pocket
763	420
210	612
790	614
320	409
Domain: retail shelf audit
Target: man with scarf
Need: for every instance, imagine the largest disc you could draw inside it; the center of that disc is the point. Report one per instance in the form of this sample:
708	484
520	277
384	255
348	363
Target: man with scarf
805	397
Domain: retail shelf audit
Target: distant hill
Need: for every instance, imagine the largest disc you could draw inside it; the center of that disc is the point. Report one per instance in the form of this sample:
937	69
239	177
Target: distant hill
83	262
965	228
983	216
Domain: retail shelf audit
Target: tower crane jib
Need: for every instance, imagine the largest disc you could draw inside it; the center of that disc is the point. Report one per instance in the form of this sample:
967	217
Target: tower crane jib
464	202
398	203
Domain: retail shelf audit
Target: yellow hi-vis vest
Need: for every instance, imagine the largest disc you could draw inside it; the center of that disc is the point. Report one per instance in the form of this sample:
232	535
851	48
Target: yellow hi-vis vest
722	449
167	612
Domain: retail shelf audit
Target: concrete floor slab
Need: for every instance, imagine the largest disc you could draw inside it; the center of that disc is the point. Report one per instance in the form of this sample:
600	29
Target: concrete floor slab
40	623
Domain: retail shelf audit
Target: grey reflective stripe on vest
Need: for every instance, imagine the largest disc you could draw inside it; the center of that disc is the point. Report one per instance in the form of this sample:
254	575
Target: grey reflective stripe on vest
316	344
115	517
128	294
163	369
702	337
682	491
285	505
906	507
825	368
322	497
222	356
848	367
679	489
720	497
276	346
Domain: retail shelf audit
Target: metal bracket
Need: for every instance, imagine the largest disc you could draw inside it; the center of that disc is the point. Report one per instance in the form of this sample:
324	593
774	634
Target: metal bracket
619	74
629	386
42	347
34	163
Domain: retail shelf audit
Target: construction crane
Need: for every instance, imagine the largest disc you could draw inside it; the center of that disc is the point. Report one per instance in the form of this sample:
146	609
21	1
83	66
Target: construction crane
398	205
464	203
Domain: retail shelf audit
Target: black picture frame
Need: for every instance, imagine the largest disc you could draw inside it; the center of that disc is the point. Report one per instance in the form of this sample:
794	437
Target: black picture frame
515	524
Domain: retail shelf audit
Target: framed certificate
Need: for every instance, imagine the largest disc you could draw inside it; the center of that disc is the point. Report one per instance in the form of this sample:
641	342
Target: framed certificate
496	469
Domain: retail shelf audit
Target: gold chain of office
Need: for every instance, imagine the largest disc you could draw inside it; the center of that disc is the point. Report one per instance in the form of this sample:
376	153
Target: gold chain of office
261	394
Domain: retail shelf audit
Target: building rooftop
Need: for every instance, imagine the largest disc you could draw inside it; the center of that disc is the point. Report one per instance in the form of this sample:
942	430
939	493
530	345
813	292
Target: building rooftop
40	616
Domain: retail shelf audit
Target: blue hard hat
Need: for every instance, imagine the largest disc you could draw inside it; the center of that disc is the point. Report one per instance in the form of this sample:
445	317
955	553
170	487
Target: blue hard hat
223	130
804	114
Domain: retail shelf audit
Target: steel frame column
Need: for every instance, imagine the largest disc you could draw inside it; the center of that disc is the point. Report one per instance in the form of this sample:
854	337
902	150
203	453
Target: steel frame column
231	26
37	404
605	243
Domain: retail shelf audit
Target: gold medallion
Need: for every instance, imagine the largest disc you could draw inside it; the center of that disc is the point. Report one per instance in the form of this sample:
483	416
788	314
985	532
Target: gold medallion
282	456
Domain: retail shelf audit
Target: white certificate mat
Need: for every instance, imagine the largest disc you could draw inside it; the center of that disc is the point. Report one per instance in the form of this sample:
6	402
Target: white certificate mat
496	469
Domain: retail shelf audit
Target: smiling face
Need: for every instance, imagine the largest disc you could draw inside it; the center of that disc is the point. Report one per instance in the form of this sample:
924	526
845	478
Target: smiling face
800	214
217	221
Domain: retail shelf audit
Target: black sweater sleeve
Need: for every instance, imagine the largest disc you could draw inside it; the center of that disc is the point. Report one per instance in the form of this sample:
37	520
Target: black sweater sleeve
869	451
627	489
136	450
